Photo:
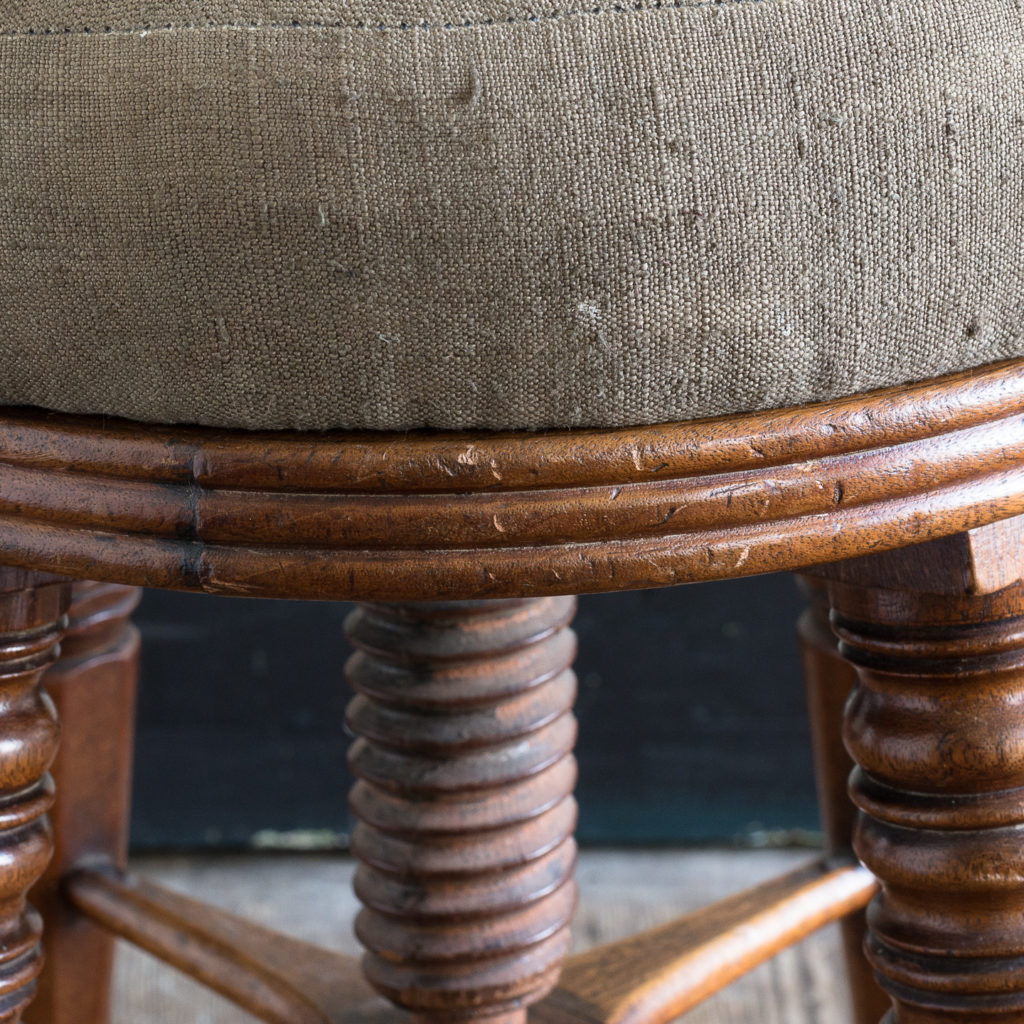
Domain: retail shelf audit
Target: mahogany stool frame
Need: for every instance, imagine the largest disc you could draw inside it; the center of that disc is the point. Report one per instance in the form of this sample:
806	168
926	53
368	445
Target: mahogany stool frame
899	507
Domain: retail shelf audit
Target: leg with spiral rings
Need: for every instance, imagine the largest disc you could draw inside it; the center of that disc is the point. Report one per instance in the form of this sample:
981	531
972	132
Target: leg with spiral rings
464	758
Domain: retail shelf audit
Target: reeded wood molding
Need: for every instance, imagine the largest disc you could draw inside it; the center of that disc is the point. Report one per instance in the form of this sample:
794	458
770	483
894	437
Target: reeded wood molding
391	517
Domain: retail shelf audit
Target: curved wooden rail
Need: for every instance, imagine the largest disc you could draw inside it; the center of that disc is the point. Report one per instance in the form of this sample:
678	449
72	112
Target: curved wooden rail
650	977
392	517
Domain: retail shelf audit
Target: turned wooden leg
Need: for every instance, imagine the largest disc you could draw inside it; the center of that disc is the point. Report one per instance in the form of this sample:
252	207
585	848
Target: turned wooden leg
465	769
32	609
936	726
829	681
93	686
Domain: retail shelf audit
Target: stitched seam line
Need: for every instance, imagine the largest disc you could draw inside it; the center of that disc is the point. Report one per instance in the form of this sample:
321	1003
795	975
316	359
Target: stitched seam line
371	26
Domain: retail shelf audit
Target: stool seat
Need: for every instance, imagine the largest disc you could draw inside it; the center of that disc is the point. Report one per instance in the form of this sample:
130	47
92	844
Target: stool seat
372	215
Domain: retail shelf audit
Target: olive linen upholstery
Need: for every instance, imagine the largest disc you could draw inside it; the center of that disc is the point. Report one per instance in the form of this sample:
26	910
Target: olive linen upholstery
372	214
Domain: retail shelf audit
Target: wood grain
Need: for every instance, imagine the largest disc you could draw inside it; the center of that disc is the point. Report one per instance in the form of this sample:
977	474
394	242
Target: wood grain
278	979
389	517
935	728
979	561
649	977
654	976
32	617
829	680
621	892
93	687
996	555
465	730
463	707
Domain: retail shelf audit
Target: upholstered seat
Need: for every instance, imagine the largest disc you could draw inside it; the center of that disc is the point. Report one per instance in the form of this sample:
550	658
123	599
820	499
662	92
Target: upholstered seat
329	214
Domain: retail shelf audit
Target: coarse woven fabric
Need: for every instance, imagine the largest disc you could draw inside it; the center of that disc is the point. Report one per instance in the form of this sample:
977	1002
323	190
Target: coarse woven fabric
380	215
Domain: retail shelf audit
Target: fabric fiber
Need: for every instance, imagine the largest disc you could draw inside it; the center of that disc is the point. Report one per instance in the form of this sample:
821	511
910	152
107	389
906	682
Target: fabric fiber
384	215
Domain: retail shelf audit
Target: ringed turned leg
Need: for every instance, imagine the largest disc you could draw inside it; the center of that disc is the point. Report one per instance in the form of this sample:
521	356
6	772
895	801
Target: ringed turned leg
829	681
93	686
32	609
465	769
936	726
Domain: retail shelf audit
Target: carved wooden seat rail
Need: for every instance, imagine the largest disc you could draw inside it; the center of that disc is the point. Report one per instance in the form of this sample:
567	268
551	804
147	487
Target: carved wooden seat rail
897	506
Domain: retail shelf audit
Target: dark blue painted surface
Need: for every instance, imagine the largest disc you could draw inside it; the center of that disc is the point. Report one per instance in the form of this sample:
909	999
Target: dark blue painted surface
691	712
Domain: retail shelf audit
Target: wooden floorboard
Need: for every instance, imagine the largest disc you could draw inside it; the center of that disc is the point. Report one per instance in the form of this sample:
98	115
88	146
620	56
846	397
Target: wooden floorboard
309	896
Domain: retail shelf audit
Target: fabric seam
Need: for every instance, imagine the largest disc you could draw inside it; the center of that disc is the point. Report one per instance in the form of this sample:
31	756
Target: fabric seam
367	25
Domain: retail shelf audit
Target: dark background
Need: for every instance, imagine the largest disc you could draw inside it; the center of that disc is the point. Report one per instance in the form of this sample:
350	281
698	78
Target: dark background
692	720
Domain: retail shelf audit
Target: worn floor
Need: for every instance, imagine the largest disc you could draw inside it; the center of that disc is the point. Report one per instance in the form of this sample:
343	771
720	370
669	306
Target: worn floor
309	897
